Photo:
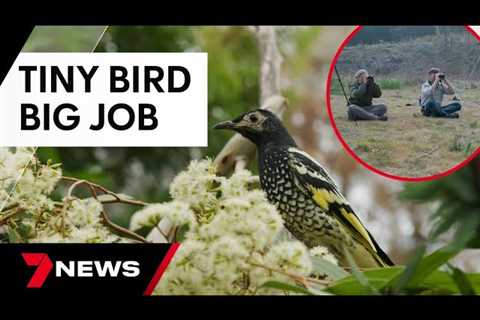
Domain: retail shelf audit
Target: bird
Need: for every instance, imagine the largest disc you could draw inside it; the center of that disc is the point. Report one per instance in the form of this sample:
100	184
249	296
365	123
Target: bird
308	199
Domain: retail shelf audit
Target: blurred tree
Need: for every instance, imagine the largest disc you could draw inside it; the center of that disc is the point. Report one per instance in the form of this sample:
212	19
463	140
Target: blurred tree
232	89
376	34
458	202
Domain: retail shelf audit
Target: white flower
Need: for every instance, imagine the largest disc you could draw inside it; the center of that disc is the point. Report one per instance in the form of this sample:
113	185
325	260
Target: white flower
179	213
197	186
84	212
323	252
216	257
237	184
42	219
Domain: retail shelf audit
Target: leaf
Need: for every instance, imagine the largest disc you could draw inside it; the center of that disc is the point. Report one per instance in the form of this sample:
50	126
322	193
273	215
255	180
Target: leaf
445	217
322	266
418	269
286	287
377	278
405	277
438	282
12	235
441	280
422	192
317	289
467	231
181	233
358	274
463	189
461	280
23	231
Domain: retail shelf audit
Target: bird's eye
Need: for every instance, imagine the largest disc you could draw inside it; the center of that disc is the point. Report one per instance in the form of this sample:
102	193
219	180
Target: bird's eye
253	118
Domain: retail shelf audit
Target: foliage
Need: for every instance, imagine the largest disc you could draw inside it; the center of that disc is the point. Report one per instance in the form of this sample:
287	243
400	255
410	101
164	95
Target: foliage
457	201
233	89
229	231
422	277
63	38
231	244
458	209
28	213
409	58
370	34
231	235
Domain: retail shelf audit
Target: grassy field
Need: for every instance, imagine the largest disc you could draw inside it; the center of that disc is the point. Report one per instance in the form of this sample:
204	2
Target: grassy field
409	144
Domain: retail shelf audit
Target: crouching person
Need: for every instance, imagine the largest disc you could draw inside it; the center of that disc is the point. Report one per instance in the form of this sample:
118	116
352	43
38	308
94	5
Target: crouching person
362	92
432	93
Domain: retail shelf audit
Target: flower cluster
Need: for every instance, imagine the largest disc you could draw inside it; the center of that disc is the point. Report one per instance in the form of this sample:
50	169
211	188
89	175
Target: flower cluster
232	244
232	237
28	211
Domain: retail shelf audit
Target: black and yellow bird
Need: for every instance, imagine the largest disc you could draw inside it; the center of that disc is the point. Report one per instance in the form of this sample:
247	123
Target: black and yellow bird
312	207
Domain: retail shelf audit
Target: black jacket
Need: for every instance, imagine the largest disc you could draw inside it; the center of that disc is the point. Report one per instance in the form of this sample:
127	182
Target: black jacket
362	94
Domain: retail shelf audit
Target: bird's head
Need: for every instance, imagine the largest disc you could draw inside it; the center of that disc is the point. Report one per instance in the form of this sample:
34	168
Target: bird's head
259	126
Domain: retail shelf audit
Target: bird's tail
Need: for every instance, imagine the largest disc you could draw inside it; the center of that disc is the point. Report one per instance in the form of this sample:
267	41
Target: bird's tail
380	256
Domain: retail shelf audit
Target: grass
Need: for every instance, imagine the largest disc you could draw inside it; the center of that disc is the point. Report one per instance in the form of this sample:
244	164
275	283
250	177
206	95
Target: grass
390	84
409	144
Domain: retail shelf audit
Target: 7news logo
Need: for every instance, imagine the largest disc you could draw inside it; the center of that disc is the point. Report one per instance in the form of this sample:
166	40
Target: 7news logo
77	268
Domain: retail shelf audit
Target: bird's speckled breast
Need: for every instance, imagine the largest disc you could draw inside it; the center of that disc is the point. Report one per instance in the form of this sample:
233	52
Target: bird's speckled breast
302	216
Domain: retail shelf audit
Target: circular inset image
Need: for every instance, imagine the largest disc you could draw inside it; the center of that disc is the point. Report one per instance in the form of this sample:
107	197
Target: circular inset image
405	100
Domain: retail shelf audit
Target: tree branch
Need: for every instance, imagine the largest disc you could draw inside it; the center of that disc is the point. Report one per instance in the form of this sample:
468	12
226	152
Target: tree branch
271	61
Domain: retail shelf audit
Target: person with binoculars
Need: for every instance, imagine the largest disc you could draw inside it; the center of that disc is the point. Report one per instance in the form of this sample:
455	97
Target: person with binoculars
362	92
432	94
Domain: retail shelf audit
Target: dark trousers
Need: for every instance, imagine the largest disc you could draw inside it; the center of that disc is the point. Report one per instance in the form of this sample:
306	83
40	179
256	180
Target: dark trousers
372	112
434	109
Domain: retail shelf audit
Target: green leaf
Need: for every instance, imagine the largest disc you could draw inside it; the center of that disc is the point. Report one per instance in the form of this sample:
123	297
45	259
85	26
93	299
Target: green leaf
286	287
461	188
421	192
322	266
377	278
441	280
405	277
361	278
12	235
418	269
466	232
461	280
317	289
181	233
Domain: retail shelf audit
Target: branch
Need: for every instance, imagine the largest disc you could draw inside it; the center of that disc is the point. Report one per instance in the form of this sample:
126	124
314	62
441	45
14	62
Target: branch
298	278
4	219
115	196
271	61
9	207
109	223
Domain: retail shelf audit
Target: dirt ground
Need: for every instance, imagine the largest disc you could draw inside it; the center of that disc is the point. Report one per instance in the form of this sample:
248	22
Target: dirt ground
411	145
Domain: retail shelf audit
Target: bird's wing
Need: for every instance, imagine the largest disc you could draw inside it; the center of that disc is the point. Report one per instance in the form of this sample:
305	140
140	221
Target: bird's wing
315	181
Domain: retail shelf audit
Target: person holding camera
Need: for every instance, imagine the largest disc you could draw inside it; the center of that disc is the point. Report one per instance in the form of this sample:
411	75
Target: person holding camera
362	92
432	94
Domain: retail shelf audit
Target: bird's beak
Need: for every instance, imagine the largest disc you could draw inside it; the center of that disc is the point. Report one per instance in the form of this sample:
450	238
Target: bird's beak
229	125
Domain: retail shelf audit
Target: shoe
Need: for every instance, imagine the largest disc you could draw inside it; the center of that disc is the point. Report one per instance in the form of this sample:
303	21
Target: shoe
454	115
383	118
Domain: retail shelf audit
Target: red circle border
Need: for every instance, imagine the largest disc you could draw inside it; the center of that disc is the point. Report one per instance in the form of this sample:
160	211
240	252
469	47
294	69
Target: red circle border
353	154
